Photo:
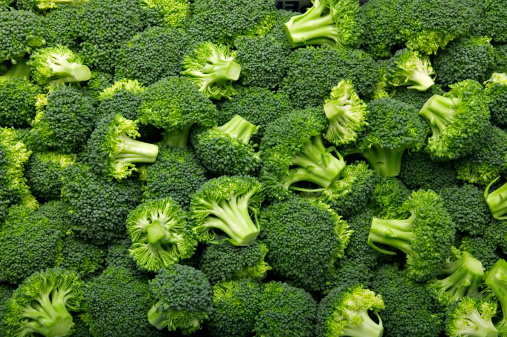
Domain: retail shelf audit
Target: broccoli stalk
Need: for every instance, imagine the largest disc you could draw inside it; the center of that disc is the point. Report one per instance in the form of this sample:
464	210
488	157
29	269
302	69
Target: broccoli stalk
472	317
438	111
19	70
496	280
496	200
394	233
239	128
387	162
177	137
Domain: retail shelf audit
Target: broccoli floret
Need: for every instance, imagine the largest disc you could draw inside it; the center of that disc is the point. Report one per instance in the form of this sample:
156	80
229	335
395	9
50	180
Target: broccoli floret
39	6
41	304
494	20
236	306
6	291
227	204
64	121
346	114
459	120
223	261
83	257
185	299
121	97
43	172
501	58
20	33
160	234
388	197
415	97
393	127
80	328
17	96
227	149
497	200
98	207
411	69
471	317
496	93
57	212
482	248
212	68
60	27
425	237
418	171
98	82
313	72
468	58
153	54
115	304
174	12
345	312
308	235
118	255
56	65
175	104
285	311
495	281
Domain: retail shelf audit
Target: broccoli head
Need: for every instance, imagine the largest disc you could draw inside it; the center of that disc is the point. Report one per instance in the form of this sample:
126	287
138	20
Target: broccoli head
472	317
21	32
418	171
388	197
174	12
483	248
83	257
415	97
411	69
494	20
496	93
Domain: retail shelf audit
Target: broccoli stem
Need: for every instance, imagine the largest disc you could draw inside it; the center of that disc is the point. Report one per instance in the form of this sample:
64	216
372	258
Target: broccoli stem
18	71
239	128
133	151
386	162
342	121
496	280
66	72
420	80
367	328
438	111
157	317
218	70
394	233
480	328
496	201
178	137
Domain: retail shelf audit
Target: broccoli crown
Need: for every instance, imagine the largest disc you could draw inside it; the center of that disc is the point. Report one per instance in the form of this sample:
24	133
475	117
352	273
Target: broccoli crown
212	68
177	174
104	27
496	235
63	122
285	311
459	120
346	114
160	234
227	149
153	54
305	234
40	6
411	69
118	255
43	172
418	171
393	127
21	32
345	312
227	204
60	27
388	197
410	309
471	317
17	96
264	61
425	237
223	261
415	97
313	72
496	92
501	58
80	328
41	304
175	104
185	299
231	19
83	257
236	306
116	302
57	212
98	82
352	191
98	207
494	20
468	58
380	22
259	106
174	12
56	65
427	25
121	97
495	281
482	248
467	207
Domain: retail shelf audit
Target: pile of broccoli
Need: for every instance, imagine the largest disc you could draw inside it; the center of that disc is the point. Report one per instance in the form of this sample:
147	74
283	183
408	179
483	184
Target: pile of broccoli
226	168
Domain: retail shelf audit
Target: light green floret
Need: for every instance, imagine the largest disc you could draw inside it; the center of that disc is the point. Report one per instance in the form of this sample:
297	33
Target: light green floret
160	234
410	68
496	281
228	204
41	304
132	86
175	12
471	317
497	200
346	114
42	5
57	65
213	69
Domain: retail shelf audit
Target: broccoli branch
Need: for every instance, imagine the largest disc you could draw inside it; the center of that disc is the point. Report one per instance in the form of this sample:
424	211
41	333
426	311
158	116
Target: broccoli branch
387	162
177	137
497	200
133	151
496	280
394	233
438	111
239	128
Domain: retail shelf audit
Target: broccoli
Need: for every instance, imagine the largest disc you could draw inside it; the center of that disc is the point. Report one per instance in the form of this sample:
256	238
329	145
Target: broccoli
212	68
425	237
345	312
56	212
226	149
418	171
59	27
177	173
471	317
497	200
56	65
236	306
458	120
160	234
470	58
305	234
411	69
6	291
285	311
20	32
83	257
495	281
184	299
118	255
388	197
494	20
17	96
175	104
483	248
223	261
174	12
41	304
98	82
496	93
331	23
346	114
415	97
227	204
44	5
122	97
393	127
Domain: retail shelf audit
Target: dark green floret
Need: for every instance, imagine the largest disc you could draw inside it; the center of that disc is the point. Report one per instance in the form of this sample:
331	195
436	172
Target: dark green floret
495	280
121	97
494	20
20	33
418	171
472	317
415	97
496	93
174	12
388	197
60	27
85	258
483	248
